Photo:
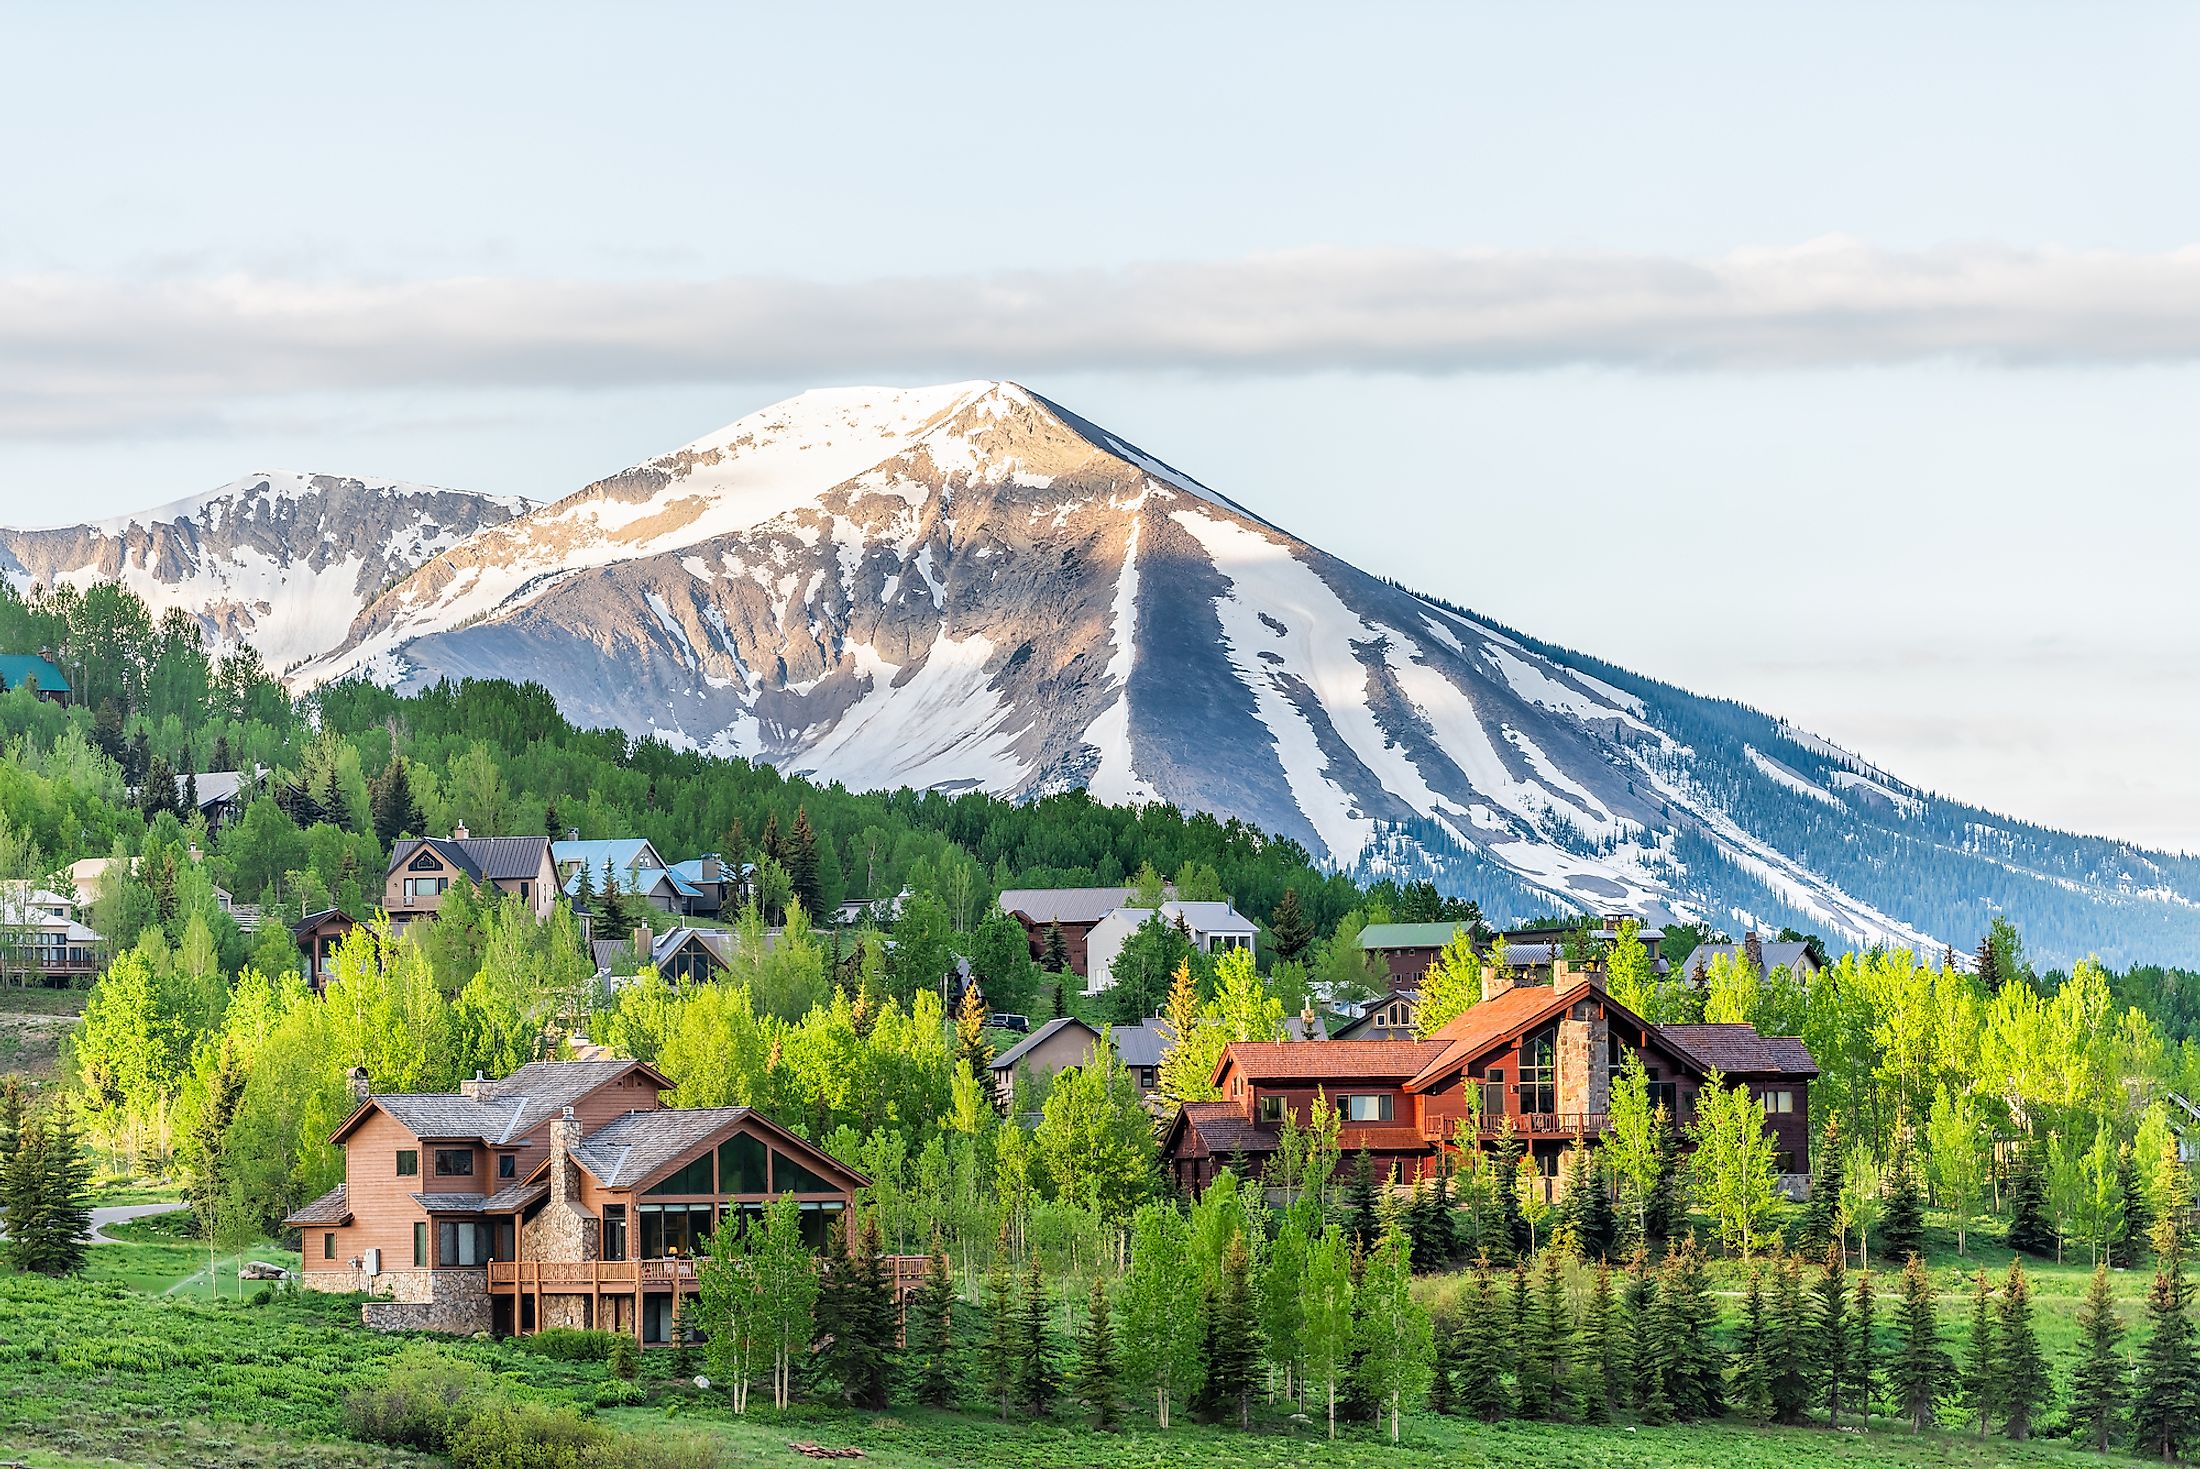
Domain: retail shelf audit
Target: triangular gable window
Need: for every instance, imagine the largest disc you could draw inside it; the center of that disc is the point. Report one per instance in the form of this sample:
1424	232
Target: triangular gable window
425	862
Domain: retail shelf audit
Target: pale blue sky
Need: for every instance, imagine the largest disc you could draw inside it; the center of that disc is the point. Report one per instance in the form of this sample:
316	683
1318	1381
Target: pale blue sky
1568	352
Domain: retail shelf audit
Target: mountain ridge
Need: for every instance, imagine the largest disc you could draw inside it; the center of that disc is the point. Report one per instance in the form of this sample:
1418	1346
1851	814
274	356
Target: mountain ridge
971	586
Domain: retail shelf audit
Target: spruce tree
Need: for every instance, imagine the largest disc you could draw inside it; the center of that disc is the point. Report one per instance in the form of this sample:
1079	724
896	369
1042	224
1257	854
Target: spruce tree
11	1119
1096	1368
2021	1386
1594	1352
1037	1381
932	1336
1362	1203
2030	1230
1480	1345
803	872
45	1196
1289	931
1833	1342
1519	1335
1443	1383
1443	1220
1648	1346
1510	1238
856	1314
1902	1231
1920	1369
1822	1210
1697	1390
1753	1354
2137	1223
1790	1340
1864	1347
999	1357
1665	1207
2097	1384
2166	1401
1546	1356
1054	952
1233	1339
1980	1362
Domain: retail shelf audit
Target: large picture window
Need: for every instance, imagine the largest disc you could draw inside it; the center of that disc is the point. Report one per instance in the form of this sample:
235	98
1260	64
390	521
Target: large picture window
1374	1108
790	1177
742	1166
1539	1072
693	1179
454	1162
467	1243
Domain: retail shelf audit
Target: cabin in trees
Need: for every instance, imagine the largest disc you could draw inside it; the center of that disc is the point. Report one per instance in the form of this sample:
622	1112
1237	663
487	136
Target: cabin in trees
1406	950
1074	911
318	936
1212	928
36	672
681	955
1542	1055
41	937
565	1194
1388	1018
1766	954
422	870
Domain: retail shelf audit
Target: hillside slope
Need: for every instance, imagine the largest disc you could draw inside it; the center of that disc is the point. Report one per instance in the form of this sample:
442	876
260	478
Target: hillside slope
970	586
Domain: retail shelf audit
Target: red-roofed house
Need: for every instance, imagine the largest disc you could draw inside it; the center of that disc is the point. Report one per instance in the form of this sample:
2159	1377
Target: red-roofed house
1542	1055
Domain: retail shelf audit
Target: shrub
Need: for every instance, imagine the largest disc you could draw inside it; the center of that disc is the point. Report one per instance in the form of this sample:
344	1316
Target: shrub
417	1405
618	1394
626	1359
513	1434
570	1344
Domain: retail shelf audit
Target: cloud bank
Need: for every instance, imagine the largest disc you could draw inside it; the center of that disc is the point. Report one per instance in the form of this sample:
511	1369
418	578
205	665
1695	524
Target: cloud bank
84	355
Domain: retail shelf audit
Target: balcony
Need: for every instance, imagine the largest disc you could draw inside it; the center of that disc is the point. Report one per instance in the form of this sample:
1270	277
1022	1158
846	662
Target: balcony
1553	1124
571	1276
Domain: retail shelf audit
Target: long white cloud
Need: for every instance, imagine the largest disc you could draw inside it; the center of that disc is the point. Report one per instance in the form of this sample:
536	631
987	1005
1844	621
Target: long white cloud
79	353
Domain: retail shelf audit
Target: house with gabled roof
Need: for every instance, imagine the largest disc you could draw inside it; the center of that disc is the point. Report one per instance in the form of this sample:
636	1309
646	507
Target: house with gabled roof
565	1194
422	870
1541	1057
37	672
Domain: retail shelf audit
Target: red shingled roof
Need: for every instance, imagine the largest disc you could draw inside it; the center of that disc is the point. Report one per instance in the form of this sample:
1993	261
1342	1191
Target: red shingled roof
1222	1128
1323	1060
1738	1050
1488	1022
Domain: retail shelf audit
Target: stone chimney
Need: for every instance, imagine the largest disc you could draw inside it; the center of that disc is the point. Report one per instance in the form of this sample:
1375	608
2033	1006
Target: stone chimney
1307	1029
644	939
565	1136
572	833
1495	981
458	831
1585	1059
1754	948
473	1089
1565	977
360	1090
710	869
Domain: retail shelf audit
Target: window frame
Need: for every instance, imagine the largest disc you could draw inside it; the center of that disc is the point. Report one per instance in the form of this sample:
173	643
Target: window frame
408	1162
420	1245
444	1156
328	1245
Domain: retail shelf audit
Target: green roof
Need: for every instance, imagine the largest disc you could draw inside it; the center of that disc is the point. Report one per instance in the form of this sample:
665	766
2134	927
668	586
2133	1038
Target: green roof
16	667
1407	935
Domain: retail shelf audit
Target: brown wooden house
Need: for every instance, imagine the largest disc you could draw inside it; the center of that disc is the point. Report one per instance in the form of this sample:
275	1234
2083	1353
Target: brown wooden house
1541	1055
566	1194
422	870
317	936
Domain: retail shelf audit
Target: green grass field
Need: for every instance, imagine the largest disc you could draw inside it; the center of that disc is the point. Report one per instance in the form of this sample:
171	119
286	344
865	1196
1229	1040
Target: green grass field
140	1363
158	1256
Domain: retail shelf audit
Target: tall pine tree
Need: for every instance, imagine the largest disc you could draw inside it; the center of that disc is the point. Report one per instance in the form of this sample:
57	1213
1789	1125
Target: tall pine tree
2166	1401
2097	1384
1037	1379
1833	1340
1921	1367
2021	1386
1902	1231
932	1334
2030	1228
1980	1389
1095	1381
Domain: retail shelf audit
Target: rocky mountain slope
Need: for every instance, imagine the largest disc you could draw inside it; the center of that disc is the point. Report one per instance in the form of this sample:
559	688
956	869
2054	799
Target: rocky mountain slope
971	587
281	560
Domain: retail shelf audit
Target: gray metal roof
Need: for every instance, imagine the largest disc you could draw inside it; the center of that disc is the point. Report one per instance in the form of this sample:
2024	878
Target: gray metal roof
1063	905
1778	955
1144	1043
486	859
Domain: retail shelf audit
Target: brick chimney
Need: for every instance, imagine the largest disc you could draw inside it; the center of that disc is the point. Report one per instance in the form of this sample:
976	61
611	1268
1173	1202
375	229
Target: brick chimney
360	1089
474	1088
565	1136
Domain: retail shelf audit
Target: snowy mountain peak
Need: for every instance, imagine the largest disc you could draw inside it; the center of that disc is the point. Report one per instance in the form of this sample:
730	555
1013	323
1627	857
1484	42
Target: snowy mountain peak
282	559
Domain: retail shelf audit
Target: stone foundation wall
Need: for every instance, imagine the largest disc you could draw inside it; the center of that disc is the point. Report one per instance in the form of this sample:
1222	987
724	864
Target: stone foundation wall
454	1301
563	1311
